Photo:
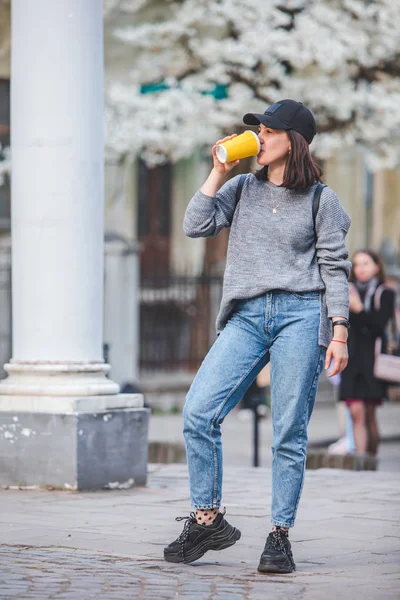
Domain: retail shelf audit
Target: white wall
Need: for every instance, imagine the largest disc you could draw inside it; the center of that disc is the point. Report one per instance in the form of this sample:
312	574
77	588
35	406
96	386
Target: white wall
345	174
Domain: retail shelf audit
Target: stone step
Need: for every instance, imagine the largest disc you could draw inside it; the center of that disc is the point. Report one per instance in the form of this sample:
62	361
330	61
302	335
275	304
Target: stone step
166	452
351	462
174	452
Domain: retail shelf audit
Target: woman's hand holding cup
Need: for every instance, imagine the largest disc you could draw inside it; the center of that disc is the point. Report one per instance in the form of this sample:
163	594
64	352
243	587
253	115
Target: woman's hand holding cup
223	168
219	171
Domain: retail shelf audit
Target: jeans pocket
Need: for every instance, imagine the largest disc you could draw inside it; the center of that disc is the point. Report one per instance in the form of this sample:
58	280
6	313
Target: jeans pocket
307	295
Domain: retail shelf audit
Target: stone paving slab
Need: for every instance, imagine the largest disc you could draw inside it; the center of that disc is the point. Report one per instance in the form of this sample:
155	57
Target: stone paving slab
109	544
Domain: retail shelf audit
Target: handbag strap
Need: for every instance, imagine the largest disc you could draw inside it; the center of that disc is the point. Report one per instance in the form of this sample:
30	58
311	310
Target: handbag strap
239	188
316	199
378	294
315	206
377	305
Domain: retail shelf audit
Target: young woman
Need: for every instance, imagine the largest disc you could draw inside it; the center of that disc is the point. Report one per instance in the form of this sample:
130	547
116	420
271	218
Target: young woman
361	391
285	282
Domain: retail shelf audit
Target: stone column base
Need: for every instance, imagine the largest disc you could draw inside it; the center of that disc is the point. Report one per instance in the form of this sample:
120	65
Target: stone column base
106	449
44	378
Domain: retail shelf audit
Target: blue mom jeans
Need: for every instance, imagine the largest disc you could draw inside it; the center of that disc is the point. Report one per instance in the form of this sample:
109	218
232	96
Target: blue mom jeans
279	327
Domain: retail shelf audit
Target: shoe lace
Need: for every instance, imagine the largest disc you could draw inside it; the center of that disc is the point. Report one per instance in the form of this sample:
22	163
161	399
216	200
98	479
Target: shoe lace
276	540
186	528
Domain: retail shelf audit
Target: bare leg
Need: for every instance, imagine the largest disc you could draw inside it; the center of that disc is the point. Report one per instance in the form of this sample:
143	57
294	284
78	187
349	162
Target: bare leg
358	414
372	427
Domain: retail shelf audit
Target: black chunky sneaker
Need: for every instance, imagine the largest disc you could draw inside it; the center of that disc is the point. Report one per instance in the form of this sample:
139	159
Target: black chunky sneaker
277	556
195	540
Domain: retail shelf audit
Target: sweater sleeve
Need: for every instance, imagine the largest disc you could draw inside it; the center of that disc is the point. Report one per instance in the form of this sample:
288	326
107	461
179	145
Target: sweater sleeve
331	225
206	215
375	321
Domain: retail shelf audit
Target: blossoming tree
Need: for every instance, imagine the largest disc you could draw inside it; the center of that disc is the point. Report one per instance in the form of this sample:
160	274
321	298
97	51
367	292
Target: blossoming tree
198	65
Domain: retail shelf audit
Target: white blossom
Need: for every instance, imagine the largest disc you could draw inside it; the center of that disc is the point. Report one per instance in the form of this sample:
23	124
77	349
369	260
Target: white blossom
338	57
341	58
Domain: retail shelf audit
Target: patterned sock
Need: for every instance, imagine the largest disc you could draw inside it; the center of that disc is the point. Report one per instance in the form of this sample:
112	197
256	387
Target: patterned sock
206	516
284	529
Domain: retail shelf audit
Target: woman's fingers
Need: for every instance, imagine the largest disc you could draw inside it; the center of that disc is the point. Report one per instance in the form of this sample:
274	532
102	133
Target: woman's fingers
339	356
339	365
328	357
335	369
228	166
232	164
225	139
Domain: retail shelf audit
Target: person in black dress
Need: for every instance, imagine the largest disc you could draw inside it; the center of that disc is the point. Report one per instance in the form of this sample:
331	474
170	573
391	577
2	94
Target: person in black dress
361	391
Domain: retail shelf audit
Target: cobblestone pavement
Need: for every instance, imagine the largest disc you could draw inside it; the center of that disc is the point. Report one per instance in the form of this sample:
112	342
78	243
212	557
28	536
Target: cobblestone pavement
62	573
108	545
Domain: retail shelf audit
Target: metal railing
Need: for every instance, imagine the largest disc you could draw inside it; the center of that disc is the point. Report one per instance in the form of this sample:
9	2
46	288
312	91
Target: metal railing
177	320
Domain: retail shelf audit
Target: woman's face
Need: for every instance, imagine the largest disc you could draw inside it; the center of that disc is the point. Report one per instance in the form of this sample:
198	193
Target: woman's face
364	267
275	145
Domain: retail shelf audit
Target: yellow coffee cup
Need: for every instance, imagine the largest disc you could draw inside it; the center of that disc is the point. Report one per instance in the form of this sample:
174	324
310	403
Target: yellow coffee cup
242	146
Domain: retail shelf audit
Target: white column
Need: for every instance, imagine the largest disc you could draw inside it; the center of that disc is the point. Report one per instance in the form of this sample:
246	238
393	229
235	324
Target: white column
121	308
57	200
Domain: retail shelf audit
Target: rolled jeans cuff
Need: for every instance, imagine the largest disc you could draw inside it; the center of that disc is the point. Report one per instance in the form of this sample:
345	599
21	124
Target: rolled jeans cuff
282	524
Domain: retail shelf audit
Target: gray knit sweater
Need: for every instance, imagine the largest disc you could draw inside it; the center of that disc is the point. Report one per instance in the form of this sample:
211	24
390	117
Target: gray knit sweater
268	251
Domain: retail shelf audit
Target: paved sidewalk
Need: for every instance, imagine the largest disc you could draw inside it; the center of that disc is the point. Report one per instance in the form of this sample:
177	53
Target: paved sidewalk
108	545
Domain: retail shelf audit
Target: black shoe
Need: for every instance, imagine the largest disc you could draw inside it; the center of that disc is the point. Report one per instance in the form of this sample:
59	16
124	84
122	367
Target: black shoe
277	556
195	540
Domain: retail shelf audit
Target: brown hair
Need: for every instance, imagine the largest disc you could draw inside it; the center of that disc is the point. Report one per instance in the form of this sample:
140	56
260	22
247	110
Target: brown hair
381	275
301	170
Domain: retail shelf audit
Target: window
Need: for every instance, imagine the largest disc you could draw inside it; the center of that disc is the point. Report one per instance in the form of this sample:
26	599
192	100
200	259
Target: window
154	217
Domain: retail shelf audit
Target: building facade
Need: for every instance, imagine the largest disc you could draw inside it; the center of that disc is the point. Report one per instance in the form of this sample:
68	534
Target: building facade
180	278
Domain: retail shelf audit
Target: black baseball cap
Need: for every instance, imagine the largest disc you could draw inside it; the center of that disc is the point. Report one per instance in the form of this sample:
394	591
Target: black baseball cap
286	114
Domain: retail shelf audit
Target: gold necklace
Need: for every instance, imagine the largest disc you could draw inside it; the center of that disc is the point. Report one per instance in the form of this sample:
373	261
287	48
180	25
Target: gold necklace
275	208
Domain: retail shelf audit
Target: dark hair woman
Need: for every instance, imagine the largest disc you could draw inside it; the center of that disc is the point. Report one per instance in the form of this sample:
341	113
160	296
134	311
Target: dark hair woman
301	170
361	391
285	281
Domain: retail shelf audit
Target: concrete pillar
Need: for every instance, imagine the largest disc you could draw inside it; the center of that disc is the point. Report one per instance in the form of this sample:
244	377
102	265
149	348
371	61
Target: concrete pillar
121	309
57	365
